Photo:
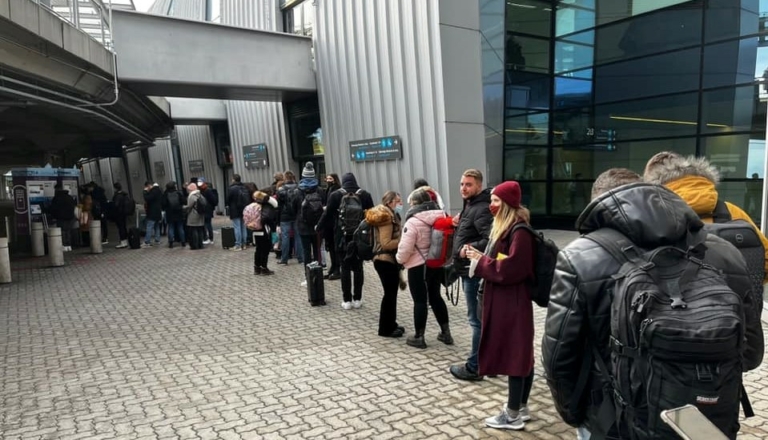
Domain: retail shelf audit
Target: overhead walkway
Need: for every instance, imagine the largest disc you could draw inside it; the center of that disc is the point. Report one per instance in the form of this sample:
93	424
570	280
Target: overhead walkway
165	56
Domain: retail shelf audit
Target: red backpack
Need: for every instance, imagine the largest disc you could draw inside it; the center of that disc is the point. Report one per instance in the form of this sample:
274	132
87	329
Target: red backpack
441	243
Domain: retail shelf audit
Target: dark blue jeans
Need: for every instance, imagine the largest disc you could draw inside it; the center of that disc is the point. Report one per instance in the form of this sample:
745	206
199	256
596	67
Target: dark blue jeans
176	231
471	286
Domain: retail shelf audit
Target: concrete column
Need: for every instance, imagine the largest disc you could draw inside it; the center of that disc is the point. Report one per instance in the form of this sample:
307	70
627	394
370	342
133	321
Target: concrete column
95	236
55	249
38	247
5	262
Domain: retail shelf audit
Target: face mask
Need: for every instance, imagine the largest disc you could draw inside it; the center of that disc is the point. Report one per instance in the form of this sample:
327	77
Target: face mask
399	210
494	209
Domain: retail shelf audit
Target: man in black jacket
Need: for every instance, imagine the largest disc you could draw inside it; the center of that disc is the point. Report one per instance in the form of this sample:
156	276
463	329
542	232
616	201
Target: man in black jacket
473	226
350	263
288	203
580	303
237	199
63	213
212	197
153	203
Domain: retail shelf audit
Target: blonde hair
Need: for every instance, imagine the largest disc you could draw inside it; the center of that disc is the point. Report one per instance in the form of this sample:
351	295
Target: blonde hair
505	218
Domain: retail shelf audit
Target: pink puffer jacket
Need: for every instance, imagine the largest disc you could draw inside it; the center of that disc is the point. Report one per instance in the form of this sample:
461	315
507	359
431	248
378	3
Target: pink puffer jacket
417	234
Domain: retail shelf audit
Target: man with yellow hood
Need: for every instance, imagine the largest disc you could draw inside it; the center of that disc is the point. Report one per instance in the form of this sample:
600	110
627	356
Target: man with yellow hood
694	179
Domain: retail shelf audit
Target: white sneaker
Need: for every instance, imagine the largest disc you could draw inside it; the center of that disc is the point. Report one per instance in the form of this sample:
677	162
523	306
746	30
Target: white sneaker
237	248
207	242
346	305
504	421
525	414
304	283
357	304
146	245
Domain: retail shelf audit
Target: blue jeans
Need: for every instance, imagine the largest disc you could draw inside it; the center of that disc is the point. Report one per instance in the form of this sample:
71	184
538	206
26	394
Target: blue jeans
241	234
152	226
285	241
470	286
176	230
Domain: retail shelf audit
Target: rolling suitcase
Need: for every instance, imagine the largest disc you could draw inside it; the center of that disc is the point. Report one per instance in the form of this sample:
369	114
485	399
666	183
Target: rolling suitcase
134	238
315	286
227	237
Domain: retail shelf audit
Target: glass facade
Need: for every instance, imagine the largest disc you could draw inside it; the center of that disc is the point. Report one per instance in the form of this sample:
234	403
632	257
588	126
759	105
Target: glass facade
299	17
595	84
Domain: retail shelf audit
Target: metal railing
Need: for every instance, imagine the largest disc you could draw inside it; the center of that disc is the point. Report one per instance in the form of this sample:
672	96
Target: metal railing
89	16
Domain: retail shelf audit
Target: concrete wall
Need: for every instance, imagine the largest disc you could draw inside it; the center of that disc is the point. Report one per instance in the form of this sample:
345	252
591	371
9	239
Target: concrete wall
161	153
196	143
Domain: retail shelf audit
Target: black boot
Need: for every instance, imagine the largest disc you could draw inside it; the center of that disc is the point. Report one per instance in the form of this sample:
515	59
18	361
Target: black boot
256	270
445	334
265	271
417	340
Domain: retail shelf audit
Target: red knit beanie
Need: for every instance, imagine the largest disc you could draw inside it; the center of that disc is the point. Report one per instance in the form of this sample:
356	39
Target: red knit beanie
509	193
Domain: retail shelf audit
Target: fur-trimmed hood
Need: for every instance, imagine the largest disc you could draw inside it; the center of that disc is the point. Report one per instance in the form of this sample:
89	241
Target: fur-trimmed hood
674	168
379	215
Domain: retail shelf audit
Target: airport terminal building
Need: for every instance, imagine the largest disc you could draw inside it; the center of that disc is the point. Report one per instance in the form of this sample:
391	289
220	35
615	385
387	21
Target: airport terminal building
548	92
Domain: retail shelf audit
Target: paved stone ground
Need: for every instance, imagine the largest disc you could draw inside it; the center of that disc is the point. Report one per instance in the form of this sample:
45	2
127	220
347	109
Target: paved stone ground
172	343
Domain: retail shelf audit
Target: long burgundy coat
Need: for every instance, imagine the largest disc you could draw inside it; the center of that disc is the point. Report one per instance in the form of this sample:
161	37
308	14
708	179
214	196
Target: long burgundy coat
506	340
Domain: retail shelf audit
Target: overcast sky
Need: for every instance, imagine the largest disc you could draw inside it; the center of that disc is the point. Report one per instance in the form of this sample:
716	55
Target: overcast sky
143	5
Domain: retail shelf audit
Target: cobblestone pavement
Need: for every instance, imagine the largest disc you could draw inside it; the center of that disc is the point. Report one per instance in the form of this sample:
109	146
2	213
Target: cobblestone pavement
172	343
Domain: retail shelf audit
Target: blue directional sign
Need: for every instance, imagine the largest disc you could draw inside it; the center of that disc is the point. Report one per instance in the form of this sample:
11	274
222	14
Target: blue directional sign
383	148
256	156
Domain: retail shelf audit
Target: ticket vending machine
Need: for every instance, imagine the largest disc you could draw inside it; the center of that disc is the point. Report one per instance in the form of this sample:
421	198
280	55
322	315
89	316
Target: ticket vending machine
32	192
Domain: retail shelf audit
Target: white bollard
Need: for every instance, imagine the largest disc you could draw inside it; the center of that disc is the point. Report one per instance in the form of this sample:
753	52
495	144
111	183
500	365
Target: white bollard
55	249
38	247
95	232
5	262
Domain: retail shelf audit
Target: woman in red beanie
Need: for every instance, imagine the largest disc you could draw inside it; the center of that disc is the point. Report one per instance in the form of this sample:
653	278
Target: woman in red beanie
506	340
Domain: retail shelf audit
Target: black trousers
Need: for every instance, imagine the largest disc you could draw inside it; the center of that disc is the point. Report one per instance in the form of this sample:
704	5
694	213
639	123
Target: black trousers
261	253
122	230
519	390
425	289
389	274
310	248
195	237
330	246
351	266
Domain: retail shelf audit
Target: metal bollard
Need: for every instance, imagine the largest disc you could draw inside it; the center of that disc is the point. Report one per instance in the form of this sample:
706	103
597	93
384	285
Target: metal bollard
95	236
38	247
5	262
55	248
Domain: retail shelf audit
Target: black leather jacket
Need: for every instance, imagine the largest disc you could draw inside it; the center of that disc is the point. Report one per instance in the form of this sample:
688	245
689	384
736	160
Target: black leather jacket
474	228
579	308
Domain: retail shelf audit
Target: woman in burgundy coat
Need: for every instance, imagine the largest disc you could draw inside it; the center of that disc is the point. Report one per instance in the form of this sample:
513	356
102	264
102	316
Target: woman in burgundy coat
506	340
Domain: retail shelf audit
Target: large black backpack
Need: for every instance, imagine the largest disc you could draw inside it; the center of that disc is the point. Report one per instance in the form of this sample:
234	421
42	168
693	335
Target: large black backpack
677	335
311	208
745	238
544	266
365	240
350	212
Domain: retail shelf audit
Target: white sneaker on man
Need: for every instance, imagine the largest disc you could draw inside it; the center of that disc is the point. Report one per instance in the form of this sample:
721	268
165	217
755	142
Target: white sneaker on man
207	242
346	305
357	304
304	283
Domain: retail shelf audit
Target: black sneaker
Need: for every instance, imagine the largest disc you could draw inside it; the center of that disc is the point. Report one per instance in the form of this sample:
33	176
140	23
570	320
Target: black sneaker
334	276
461	372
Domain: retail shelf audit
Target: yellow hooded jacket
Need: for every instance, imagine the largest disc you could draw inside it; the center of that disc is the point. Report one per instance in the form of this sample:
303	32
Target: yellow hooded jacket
700	194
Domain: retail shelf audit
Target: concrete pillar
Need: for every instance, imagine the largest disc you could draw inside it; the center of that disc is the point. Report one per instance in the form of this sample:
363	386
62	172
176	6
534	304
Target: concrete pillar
55	249
38	247
95	233
5	262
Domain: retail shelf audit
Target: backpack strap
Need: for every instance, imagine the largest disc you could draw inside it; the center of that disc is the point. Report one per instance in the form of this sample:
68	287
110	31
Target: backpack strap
616	243
745	403
721	214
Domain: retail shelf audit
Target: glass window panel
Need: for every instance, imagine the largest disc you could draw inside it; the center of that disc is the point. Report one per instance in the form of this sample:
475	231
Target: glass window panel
729	19
747	195
648	34
309	18
649	118
586	38
528	90
572	197
571	126
729	110
529	54
614	10
571	20
572	92
528	129
589	162
571	56
730	63
585	4
650	76
524	165
529	17
737	156
297	19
